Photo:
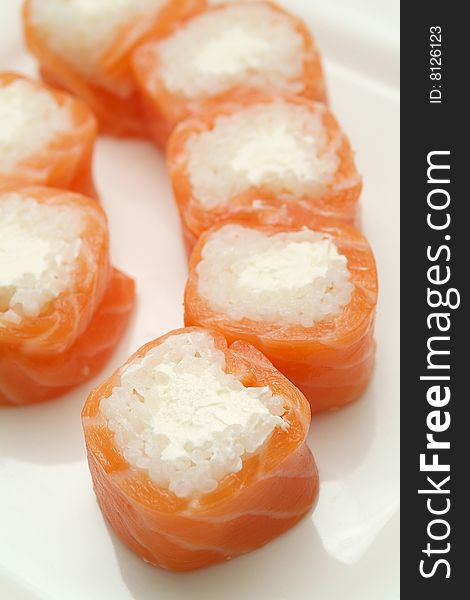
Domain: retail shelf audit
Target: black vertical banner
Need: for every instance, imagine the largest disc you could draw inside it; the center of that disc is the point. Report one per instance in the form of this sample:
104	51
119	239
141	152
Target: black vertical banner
435	268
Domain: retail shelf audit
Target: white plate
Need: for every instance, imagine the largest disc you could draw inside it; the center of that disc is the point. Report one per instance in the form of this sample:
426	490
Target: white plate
54	543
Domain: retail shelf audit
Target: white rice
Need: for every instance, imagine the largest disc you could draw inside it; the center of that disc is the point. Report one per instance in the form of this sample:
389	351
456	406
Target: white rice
292	278
278	145
180	418
250	45
39	244
29	120
80	31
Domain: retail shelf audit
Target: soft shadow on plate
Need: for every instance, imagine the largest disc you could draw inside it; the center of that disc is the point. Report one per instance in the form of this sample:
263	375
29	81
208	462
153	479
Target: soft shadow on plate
340	440
11	588
51	432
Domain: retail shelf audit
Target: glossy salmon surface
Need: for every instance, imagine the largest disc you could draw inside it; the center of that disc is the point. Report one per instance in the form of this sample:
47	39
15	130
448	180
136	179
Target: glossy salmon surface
112	96
338	202
66	160
165	108
74	334
67	316
331	362
26	378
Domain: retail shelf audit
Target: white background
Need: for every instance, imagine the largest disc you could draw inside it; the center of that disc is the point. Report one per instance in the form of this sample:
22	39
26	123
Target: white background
54	543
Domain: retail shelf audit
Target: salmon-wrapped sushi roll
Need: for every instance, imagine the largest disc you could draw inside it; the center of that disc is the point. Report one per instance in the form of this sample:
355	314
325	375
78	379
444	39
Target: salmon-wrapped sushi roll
85	47
62	309
27	378
285	151
304	296
197	450
46	137
225	55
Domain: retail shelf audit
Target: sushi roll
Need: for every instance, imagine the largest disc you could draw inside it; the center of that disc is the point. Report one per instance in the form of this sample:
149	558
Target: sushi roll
286	151
224	54
27	378
197	450
62	308
46	137
305	296
85	47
